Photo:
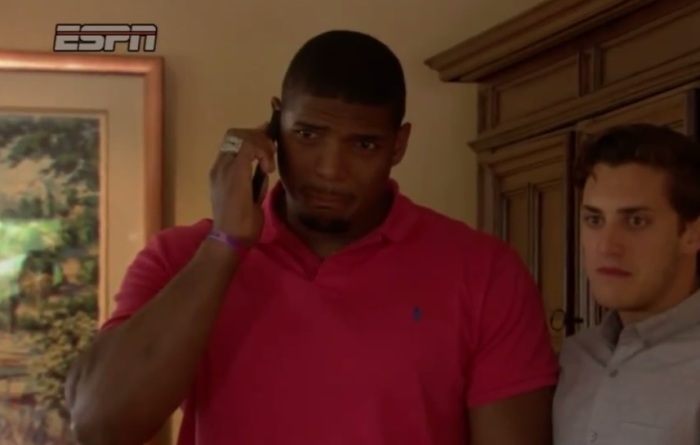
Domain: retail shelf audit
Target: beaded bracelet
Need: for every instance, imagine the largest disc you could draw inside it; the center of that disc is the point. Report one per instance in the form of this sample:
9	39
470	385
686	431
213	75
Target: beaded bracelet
230	241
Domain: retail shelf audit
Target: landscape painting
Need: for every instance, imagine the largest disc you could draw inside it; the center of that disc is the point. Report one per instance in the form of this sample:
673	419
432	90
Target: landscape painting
50	250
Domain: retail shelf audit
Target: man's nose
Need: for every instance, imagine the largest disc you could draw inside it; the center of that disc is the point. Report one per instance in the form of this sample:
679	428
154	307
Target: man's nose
331	164
610	241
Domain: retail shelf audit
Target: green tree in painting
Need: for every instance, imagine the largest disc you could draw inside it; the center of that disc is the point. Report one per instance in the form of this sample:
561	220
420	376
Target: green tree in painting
67	327
68	150
69	143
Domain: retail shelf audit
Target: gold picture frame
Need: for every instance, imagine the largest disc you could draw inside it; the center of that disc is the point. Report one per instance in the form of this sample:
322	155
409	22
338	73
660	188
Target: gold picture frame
81	141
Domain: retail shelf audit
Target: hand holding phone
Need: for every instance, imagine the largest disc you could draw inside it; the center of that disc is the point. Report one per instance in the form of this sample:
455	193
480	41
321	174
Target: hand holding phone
233	208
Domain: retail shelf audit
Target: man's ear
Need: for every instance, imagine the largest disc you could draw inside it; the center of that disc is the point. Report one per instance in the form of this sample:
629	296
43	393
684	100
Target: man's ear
402	139
691	237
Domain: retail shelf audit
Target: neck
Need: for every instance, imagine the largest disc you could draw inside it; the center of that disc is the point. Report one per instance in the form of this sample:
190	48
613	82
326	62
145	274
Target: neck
326	244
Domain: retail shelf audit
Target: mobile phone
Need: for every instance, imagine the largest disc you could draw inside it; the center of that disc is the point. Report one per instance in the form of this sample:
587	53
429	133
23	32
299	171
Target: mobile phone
273	132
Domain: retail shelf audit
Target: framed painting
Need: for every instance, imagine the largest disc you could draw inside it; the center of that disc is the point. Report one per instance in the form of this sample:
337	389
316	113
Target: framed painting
80	193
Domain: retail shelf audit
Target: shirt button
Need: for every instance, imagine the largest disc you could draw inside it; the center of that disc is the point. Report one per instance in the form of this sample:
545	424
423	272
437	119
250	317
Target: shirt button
594	437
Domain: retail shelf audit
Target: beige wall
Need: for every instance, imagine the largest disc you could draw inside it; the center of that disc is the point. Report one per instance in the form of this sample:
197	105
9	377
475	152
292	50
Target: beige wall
225	59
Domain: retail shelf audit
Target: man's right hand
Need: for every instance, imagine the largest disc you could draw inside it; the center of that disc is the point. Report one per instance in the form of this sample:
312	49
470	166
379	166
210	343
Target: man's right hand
231	176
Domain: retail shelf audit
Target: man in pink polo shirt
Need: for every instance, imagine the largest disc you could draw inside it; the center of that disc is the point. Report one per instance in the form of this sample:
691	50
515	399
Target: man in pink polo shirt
331	311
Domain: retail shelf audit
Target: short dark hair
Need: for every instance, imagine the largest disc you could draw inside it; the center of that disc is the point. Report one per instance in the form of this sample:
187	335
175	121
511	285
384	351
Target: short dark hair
350	66
653	146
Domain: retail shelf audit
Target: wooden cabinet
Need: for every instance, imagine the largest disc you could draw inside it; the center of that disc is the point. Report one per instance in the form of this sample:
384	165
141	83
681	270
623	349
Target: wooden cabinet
675	110
525	194
547	80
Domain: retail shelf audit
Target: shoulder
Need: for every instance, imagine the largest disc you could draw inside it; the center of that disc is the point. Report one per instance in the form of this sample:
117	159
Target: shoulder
472	248
443	228
165	254
184	236
175	246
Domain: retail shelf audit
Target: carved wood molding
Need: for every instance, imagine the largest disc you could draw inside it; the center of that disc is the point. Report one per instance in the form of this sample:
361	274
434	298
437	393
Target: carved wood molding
615	97
538	29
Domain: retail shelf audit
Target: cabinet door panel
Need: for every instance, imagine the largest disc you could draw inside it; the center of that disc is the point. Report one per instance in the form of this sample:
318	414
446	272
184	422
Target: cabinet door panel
526	205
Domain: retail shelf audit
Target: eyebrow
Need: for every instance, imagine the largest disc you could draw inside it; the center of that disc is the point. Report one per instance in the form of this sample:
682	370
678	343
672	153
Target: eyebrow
623	210
316	127
309	125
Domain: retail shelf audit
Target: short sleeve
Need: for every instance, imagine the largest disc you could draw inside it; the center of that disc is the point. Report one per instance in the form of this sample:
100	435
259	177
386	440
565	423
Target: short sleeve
154	267
511	351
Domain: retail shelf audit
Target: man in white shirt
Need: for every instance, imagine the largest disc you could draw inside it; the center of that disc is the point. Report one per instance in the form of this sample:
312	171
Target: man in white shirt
635	379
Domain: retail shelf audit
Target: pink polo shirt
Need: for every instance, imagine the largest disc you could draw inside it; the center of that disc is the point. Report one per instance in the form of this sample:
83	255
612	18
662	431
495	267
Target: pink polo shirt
387	342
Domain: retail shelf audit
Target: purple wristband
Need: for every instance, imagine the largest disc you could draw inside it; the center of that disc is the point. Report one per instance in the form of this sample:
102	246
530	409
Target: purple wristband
230	241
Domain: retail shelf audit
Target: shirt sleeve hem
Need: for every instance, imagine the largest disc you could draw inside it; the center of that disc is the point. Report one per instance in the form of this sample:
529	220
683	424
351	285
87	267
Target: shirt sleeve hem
520	387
